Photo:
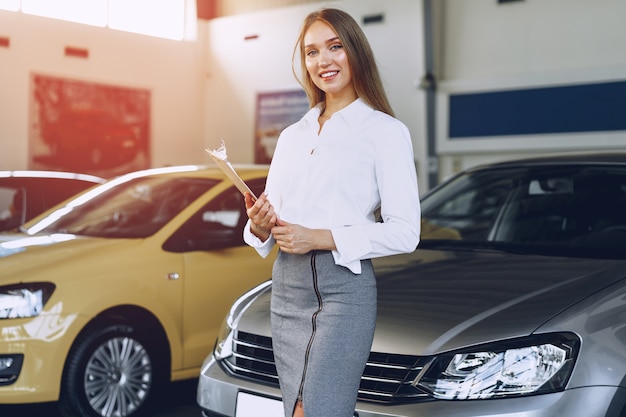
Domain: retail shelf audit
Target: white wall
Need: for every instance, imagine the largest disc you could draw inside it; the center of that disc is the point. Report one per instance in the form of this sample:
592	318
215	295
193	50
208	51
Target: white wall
488	47
238	69
203	91
484	40
171	70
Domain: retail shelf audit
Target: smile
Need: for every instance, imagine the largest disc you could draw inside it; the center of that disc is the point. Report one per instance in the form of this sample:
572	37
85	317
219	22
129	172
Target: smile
329	74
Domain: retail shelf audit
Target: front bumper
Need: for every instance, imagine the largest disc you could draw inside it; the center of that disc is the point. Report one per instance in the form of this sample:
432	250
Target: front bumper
217	396
43	342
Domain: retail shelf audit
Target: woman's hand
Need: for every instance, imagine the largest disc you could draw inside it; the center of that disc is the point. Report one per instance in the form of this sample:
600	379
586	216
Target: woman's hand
296	239
261	215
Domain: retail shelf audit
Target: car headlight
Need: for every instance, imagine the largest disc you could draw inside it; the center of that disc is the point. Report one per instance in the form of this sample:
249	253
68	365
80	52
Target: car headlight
224	345
527	366
24	300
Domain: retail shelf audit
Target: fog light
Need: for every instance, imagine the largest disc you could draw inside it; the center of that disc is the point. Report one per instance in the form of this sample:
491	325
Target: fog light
10	367
6	363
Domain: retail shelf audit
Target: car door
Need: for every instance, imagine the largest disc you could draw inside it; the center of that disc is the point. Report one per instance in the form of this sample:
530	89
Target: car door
218	266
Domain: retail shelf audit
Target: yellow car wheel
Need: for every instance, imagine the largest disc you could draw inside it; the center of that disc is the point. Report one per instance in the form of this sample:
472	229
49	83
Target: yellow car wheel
113	370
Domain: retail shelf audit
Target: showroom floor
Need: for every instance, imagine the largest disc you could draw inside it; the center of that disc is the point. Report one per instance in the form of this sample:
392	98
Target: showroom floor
182	404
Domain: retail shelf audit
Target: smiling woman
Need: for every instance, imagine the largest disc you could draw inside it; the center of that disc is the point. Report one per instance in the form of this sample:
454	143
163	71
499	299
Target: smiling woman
160	18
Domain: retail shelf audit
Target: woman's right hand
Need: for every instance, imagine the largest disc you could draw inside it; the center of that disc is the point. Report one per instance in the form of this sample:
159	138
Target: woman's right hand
261	214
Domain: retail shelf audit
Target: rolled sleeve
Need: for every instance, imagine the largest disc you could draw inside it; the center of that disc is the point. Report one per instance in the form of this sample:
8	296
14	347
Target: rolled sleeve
263	248
352	245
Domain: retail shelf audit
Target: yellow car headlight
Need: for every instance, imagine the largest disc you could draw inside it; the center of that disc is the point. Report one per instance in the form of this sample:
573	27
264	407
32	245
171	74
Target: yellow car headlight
24	300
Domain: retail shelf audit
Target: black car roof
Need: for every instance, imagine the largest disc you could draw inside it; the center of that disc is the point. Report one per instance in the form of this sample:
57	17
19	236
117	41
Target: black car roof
618	158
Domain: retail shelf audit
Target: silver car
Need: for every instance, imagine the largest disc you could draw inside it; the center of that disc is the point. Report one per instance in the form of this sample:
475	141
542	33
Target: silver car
514	304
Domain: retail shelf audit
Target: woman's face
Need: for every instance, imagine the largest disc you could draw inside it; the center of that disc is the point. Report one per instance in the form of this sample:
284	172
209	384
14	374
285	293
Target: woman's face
327	61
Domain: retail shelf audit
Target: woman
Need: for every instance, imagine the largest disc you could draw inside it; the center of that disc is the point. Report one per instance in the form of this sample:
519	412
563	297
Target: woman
345	159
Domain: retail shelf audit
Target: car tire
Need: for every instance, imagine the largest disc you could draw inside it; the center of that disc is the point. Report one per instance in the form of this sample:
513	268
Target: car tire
112	370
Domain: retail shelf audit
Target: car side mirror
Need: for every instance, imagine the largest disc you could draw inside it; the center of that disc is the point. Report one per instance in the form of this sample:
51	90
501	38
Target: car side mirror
225	218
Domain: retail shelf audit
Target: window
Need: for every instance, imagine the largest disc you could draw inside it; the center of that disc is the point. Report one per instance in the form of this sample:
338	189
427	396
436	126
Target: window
163	18
136	208
217	225
469	207
577	210
11	207
168	19
92	12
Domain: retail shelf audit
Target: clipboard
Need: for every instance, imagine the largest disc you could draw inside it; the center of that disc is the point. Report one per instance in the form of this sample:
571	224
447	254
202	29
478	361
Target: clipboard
220	157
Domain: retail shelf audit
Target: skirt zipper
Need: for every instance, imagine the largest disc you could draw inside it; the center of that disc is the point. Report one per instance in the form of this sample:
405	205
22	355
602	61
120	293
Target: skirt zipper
314	325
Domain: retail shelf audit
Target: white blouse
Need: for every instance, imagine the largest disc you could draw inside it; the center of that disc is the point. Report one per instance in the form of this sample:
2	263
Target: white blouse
361	160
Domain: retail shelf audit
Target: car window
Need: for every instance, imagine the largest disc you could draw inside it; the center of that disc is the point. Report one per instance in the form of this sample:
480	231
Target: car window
59	189
12	207
572	208
467	208
559	207
219	224
132	209
6	199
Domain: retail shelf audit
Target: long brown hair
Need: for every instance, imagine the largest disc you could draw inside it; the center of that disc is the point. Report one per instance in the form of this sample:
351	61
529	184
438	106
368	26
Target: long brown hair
365	76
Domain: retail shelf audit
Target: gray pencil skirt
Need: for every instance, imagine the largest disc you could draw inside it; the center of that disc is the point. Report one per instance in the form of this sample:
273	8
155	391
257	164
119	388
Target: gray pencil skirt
323	319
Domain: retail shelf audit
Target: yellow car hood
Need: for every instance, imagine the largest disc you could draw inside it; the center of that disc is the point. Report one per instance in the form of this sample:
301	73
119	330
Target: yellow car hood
22	256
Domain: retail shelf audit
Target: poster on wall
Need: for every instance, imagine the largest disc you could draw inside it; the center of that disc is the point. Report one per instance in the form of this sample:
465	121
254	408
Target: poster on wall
275	111
88	127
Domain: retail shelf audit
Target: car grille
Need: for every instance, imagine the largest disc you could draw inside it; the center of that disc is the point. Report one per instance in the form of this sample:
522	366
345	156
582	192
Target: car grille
387	377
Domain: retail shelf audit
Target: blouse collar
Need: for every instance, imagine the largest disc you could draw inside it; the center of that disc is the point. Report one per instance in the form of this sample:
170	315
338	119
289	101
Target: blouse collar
353	114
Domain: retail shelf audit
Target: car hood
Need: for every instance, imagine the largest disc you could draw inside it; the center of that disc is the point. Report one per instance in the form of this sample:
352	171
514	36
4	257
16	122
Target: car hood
22	256
432	300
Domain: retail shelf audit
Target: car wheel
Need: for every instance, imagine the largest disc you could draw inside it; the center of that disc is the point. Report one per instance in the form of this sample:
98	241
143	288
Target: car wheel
110	373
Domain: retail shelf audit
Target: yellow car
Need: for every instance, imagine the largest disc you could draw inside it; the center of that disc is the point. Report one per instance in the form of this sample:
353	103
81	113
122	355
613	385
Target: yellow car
110	295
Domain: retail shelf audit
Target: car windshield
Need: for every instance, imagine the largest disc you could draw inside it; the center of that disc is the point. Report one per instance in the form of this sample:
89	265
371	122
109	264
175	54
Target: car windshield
131	209
558	210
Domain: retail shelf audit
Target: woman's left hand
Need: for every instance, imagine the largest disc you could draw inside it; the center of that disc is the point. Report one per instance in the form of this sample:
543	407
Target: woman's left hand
296	239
